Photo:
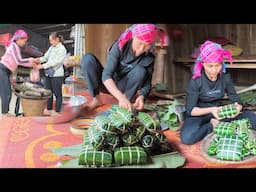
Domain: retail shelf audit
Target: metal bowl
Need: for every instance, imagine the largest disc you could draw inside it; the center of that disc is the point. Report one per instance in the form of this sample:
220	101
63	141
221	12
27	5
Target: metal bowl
69	112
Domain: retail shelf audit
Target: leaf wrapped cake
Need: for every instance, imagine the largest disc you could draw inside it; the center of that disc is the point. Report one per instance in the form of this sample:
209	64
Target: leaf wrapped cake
129	139
245	152
120	118
117	122
130	155
94	138
93	158
253	151
233	140
139	131
102	123
148	141
119	138
230	148
242	125
212	150
112	141
227	111
123	113
150	124
225	128
161	138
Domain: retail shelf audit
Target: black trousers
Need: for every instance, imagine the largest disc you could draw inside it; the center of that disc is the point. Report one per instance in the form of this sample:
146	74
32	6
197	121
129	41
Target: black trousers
5	88
55	85
195	129
129	84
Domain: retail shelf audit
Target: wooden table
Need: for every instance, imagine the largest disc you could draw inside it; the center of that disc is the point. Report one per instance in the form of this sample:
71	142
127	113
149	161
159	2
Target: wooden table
239	62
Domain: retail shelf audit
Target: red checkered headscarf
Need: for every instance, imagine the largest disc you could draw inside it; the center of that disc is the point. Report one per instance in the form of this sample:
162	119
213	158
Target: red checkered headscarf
147	33
19	34
211	52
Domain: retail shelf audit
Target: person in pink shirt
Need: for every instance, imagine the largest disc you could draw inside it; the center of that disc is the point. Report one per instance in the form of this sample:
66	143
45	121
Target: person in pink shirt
9	63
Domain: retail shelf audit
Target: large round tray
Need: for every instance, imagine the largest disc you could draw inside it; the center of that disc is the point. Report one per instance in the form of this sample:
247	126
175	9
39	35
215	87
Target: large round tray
79	126
207	142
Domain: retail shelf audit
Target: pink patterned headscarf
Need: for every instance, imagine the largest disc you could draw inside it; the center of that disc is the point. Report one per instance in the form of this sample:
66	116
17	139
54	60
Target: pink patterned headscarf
19	34
211	52
147	33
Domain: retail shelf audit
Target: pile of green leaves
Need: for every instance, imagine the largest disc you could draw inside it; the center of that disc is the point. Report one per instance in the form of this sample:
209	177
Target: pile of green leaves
248	98
169	114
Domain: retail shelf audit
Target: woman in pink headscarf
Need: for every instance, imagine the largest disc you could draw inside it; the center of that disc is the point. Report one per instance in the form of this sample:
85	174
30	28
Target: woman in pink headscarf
205	91
9	63
128	69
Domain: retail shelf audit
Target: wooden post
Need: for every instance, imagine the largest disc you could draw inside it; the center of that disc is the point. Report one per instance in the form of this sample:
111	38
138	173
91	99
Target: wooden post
158	75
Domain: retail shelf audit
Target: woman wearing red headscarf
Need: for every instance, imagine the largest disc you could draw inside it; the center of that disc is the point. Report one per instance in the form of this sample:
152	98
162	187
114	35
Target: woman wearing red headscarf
205	91
128	69
9	63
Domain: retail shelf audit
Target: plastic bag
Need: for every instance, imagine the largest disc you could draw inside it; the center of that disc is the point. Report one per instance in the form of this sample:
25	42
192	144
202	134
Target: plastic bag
49	72
34	75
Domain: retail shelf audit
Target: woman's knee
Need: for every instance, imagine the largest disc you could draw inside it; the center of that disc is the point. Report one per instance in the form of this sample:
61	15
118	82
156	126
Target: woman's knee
251	116
138	72
187	136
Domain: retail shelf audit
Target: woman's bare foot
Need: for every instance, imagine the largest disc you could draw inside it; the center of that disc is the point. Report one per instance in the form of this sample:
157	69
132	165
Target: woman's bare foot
8	115
47	112
214	122
54	113
96	102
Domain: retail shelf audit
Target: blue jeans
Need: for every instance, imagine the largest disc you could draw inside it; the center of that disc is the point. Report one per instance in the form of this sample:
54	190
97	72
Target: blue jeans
195	129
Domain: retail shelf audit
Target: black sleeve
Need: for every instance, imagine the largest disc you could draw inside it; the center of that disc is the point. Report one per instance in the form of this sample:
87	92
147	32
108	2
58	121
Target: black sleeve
145	90
192	93
230	89
113	59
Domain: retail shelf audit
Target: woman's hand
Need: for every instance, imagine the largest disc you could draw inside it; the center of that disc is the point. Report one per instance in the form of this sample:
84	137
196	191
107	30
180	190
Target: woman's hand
37	60
34	65
214	111
238	108
139	103
125	103
39	66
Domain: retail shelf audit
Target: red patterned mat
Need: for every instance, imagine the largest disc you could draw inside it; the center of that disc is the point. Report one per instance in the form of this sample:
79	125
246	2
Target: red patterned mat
25	143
